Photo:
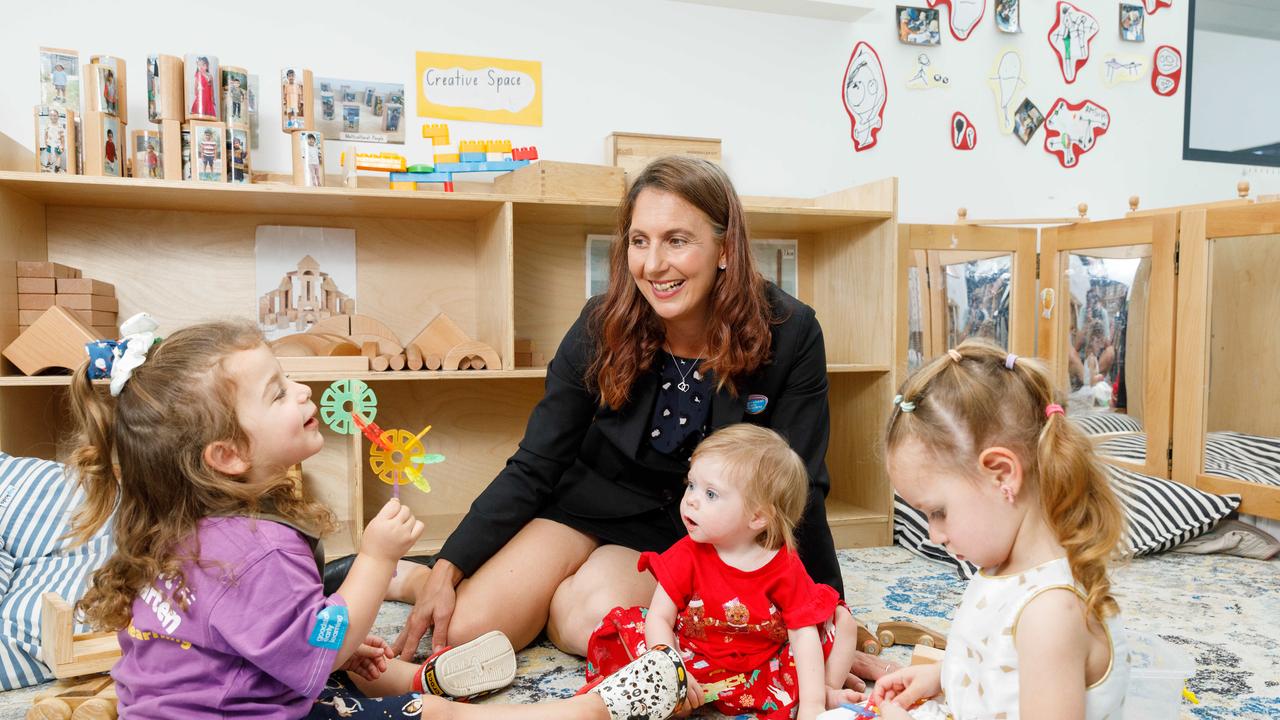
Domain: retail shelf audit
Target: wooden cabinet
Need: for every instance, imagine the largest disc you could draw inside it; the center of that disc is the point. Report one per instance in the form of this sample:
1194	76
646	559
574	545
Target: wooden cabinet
501	266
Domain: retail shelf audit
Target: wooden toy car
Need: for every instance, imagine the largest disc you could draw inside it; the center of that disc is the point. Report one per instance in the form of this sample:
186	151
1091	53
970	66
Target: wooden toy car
909	633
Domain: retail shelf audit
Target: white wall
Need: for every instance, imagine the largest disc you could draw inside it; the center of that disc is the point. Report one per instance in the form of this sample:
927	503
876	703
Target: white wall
768	85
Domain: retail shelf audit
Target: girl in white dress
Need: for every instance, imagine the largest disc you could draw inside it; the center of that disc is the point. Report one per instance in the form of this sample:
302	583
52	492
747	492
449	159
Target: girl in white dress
977	442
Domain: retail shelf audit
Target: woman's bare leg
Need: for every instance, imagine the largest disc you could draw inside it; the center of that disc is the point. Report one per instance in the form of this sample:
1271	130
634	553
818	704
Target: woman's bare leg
512	591
608	579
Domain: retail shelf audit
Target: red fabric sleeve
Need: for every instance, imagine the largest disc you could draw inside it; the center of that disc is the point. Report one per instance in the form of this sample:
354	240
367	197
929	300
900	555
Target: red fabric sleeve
673	570
802	601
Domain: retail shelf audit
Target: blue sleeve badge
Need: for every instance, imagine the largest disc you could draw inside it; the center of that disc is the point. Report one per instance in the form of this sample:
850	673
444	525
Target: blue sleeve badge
330	628
756	404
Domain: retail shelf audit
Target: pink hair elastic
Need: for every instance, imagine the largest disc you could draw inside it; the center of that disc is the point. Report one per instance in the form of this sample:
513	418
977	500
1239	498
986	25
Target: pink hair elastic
1009	360
1054	409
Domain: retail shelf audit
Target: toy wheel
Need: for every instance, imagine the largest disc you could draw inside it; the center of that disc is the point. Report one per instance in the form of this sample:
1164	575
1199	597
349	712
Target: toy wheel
391	465
926	640
344	397
871	647
886	638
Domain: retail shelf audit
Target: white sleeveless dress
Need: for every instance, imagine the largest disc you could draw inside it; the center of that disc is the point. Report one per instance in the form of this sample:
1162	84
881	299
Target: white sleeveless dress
980	667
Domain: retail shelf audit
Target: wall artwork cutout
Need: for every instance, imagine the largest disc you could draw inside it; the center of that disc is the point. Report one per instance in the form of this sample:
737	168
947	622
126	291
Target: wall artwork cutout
864	94
1166	71
1133	22
1071	130
965	15
1073	29
1008	86
1118	69
927	76
1026	120
1154	5
963	135
1008	17
918	26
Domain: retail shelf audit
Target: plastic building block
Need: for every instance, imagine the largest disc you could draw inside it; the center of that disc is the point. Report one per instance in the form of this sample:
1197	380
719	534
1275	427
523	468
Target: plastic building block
397	177
497	146
471	146
464	167
404	186
437	133
447	158
377	161
467	157
525	153
420	168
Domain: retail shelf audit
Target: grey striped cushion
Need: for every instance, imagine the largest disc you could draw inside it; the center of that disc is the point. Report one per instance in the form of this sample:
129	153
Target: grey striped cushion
1097	423
1129	446
1248	457
1160	514
36	502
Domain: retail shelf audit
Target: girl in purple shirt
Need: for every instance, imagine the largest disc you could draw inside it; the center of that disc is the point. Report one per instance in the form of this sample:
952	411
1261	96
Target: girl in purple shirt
215	588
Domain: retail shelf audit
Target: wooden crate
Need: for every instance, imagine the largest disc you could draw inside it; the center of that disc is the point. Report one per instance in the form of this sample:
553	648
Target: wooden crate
632	151
563	180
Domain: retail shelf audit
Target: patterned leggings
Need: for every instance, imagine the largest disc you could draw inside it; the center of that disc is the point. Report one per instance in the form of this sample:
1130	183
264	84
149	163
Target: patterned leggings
340	699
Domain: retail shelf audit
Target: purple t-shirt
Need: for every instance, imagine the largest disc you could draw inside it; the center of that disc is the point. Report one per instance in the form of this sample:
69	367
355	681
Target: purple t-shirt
243	647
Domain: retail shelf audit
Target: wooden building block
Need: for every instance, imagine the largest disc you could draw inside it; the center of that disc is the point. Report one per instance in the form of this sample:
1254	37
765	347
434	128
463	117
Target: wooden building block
925	655
530	359
106	333
633	151
201	77
105	144
413	357
171	149
68	654
380	363
524	345
28	317
55	340
85	286
43	286
440	336
453	359
164	89
34	301
332	363
431	361
95	318
76	301
101	90
575	181
208	151
120	72
296	112
398	361
146	152
31	269
308	158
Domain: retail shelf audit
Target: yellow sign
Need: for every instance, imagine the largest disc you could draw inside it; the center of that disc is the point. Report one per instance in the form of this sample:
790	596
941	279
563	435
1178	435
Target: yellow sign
483	89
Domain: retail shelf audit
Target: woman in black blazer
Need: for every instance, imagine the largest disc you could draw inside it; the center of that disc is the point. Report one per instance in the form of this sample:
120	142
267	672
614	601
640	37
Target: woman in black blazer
687	339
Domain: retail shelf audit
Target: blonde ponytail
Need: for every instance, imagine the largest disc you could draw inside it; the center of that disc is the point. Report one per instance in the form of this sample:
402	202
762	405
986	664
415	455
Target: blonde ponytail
977	396
93	418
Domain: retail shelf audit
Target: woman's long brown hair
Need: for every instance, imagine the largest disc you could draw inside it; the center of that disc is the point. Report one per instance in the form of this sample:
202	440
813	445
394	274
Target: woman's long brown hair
175	404
965	405
629	333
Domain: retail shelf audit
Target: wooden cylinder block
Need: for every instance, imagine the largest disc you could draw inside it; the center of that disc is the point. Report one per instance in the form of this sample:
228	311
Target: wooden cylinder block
296	112
120	74
165	90
398	361
308	159
201	78
413	357
380	363
52	709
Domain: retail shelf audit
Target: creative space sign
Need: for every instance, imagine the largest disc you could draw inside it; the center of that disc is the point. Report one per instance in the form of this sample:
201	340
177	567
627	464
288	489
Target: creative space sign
482	89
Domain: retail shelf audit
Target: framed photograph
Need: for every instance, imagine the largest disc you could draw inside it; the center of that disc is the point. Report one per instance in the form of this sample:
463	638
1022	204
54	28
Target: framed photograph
308	158
238	170
1007	16
360	115
208	151
295	96
1133	22
302	275
55	139
60	78
235	91
918	26
148	154
1026	120
105	145
114	88
201	81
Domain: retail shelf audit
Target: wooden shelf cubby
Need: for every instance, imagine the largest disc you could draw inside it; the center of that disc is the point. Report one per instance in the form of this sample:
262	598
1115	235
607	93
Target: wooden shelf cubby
501	266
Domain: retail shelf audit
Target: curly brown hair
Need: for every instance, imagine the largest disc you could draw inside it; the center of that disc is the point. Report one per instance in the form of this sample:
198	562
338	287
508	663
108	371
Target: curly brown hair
629	333
971	401
174	405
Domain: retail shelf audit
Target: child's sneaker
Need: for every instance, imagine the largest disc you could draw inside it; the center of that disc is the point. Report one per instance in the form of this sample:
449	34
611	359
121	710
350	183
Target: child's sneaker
461	673
648	688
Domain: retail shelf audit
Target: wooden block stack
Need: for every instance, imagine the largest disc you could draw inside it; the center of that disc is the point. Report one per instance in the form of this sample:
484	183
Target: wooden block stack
42	285
526	356
104	121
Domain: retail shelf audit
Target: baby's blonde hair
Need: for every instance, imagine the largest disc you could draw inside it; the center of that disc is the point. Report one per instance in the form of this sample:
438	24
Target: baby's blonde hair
772	477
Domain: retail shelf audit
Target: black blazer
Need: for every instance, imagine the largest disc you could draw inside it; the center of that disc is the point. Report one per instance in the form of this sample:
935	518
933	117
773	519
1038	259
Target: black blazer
593	461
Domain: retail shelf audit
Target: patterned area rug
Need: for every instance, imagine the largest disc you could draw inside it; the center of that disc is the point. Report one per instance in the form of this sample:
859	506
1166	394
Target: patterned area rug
1221	611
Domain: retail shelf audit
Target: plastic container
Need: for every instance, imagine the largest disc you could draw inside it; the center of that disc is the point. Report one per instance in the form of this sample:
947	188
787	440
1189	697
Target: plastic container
1157	673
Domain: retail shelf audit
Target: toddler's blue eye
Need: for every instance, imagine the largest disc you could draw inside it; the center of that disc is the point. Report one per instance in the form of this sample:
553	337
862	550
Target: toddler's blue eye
711	495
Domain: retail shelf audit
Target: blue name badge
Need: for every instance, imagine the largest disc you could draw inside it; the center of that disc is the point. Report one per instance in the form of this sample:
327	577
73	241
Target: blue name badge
330	627
756	404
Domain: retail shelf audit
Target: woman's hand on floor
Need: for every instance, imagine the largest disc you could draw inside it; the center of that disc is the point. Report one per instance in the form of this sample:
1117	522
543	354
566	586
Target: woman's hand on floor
432	610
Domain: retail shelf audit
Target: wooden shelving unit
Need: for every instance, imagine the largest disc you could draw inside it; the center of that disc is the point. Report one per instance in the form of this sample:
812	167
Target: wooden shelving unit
501	266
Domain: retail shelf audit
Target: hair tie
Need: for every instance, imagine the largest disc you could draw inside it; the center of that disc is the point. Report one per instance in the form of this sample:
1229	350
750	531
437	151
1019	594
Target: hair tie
955	354
905	406
117	359
1054	409
1009	361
